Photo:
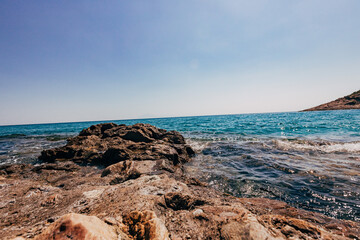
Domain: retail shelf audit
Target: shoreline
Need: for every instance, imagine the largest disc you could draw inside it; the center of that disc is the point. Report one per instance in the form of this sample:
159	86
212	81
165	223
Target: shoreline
151	187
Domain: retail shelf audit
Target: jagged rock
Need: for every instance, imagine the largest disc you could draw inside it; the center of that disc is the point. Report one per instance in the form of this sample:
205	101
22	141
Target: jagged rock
179	201
291	227
14	169
125	170
108	143
145	225
63	166
79	227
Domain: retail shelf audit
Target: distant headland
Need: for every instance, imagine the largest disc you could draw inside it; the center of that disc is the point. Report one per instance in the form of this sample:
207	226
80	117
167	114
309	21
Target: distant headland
351	101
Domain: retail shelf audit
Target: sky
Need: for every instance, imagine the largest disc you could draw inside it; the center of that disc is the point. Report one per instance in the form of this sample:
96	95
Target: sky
64	61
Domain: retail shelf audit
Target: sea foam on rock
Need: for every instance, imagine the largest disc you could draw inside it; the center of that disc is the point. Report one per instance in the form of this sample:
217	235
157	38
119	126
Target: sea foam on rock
142	193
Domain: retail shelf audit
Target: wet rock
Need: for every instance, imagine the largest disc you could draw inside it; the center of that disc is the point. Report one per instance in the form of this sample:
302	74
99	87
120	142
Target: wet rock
77	226
265	208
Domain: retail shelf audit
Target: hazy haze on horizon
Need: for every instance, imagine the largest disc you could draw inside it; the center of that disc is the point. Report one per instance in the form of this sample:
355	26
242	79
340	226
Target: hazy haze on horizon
64	61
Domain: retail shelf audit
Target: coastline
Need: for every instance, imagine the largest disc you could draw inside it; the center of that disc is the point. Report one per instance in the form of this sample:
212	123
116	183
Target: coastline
148	196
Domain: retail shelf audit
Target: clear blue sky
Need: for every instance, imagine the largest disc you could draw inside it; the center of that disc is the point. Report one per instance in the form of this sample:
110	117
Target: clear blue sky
97	60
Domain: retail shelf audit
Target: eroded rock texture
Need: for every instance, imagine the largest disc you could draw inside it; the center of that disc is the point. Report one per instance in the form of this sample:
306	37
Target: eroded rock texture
141	194
109	143
77	226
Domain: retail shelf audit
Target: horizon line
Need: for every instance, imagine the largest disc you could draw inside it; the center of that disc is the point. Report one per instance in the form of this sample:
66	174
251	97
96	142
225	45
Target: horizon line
147	118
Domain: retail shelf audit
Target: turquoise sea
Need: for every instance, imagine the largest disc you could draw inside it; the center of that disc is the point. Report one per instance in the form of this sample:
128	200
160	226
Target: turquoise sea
310	160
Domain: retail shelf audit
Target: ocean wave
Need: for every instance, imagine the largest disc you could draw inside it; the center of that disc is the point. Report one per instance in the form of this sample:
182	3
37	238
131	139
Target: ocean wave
322	146
198	146
15	135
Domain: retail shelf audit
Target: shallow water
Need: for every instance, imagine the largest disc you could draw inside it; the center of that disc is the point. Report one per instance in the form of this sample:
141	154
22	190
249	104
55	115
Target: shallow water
310	160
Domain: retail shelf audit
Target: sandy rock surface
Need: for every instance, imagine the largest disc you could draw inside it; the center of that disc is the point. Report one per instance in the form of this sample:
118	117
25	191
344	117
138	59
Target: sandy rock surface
128	182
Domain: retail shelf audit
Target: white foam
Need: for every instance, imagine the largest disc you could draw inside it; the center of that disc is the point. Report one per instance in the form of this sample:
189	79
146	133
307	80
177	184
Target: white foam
198	146
327	147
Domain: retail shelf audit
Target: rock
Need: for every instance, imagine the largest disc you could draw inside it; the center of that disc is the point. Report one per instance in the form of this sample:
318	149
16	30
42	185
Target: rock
80	227
137	136
145	225
97	129
62	166
114	155
266	208
351	101
109	143
245	231
17	169
198	212
173	137
125	170
51	200
179	201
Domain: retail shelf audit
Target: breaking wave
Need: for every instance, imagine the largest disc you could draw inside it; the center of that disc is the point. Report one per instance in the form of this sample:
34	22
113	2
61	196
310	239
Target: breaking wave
322	146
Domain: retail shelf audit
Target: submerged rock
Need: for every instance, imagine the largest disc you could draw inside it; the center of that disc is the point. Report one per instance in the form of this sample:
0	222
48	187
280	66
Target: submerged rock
143	193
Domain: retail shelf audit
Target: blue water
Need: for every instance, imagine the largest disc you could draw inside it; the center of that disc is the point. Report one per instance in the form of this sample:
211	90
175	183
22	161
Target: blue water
310	160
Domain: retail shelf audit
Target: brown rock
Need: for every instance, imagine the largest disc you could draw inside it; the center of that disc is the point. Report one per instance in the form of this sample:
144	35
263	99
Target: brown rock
245	231
106	144
125	170
51	200
145	225
80	227
179	201
292	227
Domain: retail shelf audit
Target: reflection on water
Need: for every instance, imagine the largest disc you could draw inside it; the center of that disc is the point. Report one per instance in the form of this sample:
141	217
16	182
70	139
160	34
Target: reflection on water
309	175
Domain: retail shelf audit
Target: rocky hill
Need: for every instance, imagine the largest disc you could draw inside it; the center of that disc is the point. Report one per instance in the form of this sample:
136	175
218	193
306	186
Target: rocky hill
351	101
130	182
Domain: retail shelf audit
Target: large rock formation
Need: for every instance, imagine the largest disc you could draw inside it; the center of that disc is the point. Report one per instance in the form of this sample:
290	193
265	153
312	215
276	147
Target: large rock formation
351	101
106	144
145	195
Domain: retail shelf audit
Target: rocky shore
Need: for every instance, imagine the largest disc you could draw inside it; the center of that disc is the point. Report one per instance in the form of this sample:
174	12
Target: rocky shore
129	182
351	101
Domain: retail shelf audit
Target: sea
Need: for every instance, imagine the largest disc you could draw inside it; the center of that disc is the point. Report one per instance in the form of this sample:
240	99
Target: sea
310	160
